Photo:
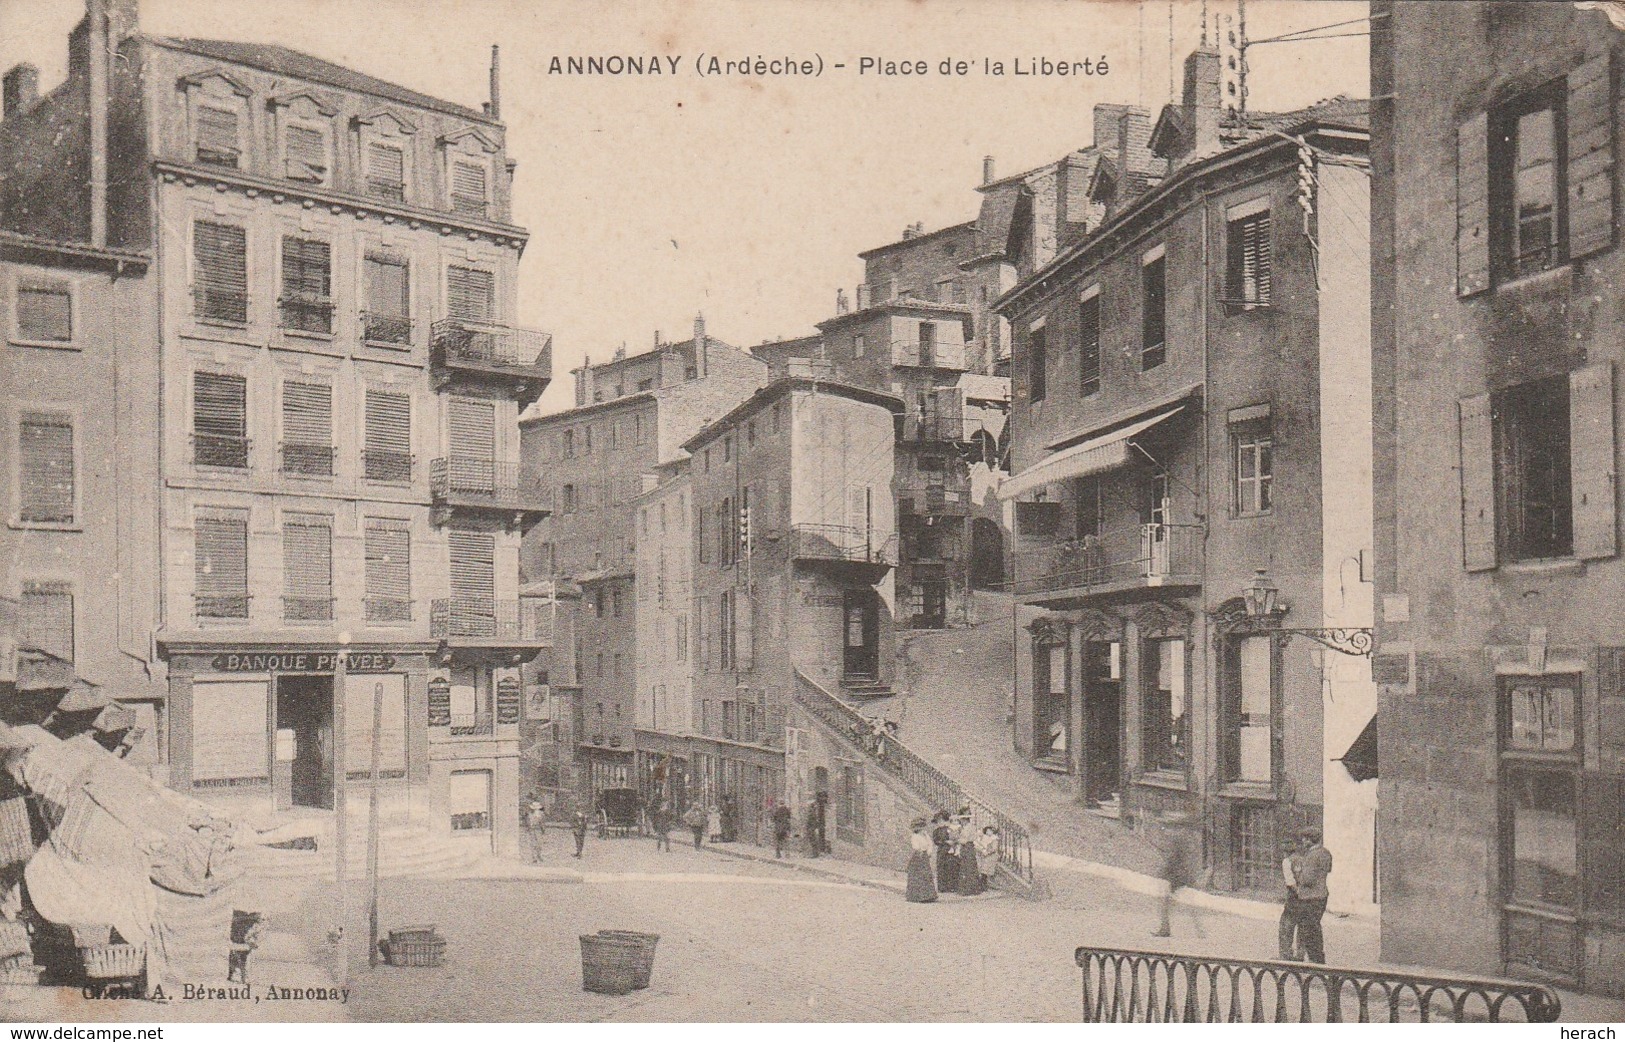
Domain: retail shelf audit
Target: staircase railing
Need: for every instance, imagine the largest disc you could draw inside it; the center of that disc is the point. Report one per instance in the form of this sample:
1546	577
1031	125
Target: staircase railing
919	775
1129	987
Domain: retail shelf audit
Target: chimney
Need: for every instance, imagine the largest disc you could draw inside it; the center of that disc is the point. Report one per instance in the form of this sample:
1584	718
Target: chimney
1203	100
987	170
496	82
841	305
584	380
21	90
99	63
702	348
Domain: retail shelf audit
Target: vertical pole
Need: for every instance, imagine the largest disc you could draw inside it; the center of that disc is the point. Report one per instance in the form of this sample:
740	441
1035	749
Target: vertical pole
341	830
372	825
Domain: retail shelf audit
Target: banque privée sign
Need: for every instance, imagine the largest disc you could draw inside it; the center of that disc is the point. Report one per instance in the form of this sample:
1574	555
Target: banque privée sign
301	662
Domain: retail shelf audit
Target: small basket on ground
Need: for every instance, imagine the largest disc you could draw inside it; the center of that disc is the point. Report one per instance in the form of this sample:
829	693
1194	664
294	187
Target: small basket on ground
609	965
105	962
420	946
646	942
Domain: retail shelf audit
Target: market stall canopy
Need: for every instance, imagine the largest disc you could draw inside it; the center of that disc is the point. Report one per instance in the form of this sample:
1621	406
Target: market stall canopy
1105	452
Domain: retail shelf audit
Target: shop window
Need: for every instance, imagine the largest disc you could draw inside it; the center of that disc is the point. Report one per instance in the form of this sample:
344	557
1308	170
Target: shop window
468	799
360	693
1166	721
1248	720
230	720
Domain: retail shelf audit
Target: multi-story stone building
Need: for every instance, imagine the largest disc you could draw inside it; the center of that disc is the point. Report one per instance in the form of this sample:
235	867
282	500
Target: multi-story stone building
632	416
1496	267
339	382
793	544
1191	485
78	547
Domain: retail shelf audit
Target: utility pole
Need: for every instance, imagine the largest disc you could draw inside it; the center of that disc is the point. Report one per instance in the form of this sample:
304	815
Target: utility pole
341	829
372	825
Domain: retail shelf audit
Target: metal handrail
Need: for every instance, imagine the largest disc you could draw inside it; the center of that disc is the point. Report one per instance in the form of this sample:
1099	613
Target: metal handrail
221	450
843	543
382	465
916	773
1154	554
488	481
381	328
493	344
307	459
1126	986
528	620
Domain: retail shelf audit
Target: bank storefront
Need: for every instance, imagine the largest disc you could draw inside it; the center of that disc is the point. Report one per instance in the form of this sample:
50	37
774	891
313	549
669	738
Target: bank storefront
278	729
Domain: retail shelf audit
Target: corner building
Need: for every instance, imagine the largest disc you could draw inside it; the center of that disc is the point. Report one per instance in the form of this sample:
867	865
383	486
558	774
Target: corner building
1496	354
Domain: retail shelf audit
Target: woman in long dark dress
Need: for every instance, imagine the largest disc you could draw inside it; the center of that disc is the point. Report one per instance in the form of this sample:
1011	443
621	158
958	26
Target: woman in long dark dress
970	880
942	834
921	890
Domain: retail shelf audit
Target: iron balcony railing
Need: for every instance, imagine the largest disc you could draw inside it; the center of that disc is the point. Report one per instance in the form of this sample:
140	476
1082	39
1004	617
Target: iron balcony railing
220	450
493	346
213	304
1146	555
934	426
928	355
1125	986
933	499
843	543
524	622
306	314
307	608
221	607
307	460
389	609
379	328
914	771
480	482
377	465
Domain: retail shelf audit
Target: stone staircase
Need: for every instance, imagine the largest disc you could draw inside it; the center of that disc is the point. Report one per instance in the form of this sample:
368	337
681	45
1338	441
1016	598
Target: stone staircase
866	690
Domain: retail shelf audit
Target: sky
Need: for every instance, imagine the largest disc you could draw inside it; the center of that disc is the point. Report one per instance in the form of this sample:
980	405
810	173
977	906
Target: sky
650	199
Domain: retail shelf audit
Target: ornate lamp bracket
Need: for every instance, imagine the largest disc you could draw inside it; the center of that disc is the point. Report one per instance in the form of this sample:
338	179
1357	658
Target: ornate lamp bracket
1345	640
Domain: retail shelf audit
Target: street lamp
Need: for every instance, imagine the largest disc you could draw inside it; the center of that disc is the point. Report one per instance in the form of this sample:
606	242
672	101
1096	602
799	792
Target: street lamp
1260	595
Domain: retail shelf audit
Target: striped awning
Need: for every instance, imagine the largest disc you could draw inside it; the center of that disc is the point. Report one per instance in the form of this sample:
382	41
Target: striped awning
1090	457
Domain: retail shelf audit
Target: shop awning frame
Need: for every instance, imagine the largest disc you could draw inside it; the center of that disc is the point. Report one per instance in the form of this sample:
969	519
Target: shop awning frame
1106	452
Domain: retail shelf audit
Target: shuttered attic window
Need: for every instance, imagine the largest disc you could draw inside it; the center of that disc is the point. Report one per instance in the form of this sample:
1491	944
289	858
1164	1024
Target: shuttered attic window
217	138
468	188
306	154
1248	280
45	469
386	172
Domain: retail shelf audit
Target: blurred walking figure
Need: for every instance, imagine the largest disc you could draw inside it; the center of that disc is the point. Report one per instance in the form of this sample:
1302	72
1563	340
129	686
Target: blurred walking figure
713	824
660	820
694	818
578	826
781	828
1171	836
815	823
921	889
535	824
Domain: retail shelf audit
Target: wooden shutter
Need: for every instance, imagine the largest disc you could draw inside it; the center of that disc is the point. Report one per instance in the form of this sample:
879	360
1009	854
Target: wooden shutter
473	574
858	516
307	154
45	470
1477	483
220	405
1602	837
1591	453
1089	345
220	255
705	627
1590	119
744	631
307	556
468	187
389	559
221	556
47	618
387	286
307	413
1473	206
1249	259
386	169
45	312
473	429
470	294
217	136
389	422
306	269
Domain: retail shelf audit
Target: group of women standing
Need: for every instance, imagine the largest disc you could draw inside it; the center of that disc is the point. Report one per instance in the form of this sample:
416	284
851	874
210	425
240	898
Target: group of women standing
963	860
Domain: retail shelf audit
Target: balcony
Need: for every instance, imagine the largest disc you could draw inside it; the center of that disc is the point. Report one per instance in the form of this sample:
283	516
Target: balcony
474	622
468	484
306	460
220	450
866	554
1143	557
933	501
491	350
927	354
389	330
934	426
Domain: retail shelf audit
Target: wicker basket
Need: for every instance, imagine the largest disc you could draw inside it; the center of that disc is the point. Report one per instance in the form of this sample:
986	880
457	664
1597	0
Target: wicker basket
113	961
609	965
427	952
414	933
646	953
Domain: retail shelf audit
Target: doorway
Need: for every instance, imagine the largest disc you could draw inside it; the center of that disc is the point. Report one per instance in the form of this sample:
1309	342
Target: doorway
1103	715
304	720
861	635
986	553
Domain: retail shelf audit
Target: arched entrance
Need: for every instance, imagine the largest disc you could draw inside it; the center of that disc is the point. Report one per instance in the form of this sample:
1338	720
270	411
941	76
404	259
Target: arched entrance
987	553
